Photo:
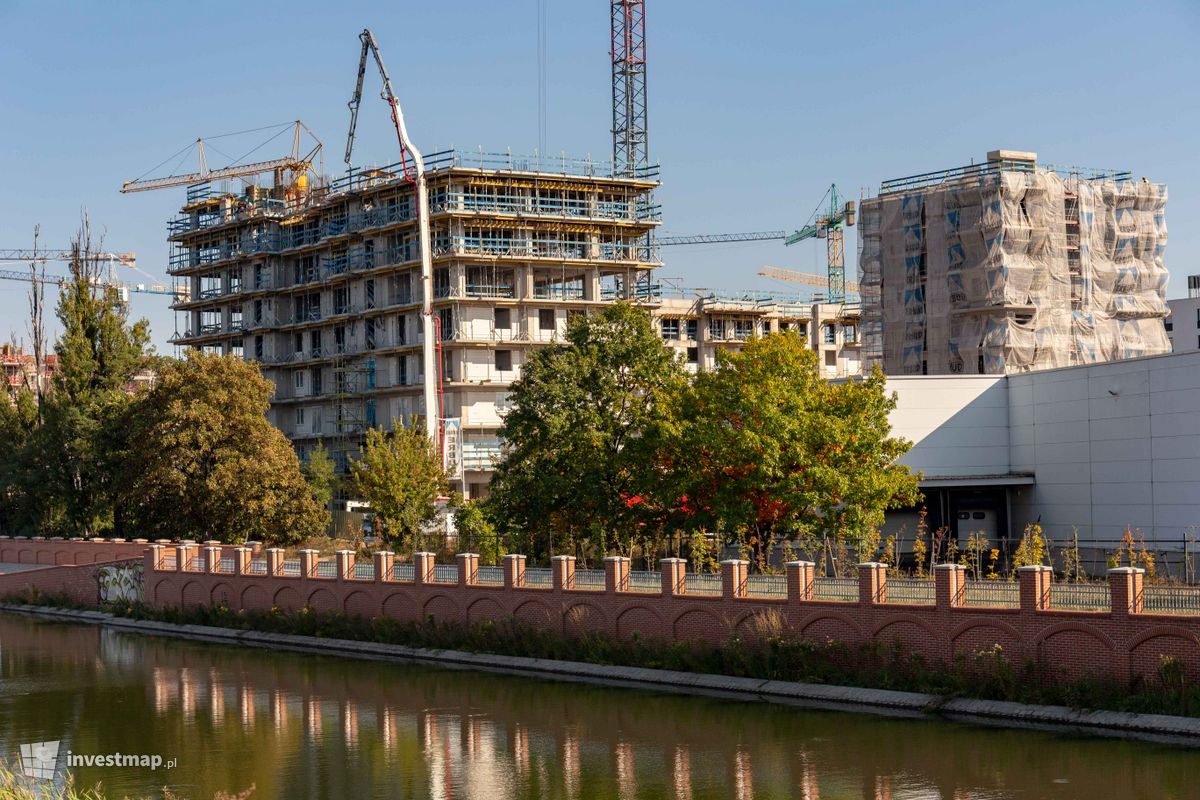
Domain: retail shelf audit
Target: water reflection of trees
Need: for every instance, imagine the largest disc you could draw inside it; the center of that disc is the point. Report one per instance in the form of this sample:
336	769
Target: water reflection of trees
302	726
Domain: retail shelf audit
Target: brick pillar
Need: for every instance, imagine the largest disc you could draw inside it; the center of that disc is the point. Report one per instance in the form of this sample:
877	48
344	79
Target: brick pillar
183	557
423	567
949	585
384	563
308	563
241	560
1035	587
468	569
1125	584
152	559
212	558
345	565
733	578
799	575
275	561
514	571
674	576
872	583
616	574
562	572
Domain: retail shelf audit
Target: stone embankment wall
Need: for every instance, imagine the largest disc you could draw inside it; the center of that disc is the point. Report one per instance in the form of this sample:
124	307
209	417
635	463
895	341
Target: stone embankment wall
1122	643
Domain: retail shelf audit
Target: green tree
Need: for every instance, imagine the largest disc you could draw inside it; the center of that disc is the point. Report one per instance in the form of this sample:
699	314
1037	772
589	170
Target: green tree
575	447
201	461
320	474
98	353
763	446
18	422
400	476
476	532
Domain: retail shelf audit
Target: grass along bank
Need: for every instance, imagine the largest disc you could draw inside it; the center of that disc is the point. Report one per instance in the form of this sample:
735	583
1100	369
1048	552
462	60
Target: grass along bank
769	653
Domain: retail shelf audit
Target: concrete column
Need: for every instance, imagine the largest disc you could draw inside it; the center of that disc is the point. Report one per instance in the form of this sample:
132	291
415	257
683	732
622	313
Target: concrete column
384	563
1125	584
212	558
562	572
275	562
468	569
423	567
733	578
1035	587
241	561
514	572
308	563
949	585
616	574
800	576
674	576
872	583
345	565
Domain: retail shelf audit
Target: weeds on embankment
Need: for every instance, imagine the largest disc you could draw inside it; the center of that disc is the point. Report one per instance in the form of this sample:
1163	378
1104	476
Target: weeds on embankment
15	786
768	652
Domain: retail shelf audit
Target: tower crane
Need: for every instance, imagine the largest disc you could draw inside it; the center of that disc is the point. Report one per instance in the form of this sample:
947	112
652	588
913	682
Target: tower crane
806	278
830	224
128	259
416	176
297	163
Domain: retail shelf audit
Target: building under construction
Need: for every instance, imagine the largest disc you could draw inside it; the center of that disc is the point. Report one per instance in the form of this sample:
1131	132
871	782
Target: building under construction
321	285
1009	266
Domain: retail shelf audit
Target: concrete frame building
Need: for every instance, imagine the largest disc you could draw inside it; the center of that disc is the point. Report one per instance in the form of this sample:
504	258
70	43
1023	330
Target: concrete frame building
321	285
698	325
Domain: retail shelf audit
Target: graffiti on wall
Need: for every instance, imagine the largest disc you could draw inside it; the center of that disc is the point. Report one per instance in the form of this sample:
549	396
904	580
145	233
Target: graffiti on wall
121	583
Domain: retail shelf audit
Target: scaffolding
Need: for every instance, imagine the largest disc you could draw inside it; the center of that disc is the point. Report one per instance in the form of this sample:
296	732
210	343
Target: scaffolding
1012	266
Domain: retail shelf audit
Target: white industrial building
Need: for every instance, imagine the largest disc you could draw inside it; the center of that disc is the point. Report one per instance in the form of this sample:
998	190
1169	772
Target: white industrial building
1183	326
1092	449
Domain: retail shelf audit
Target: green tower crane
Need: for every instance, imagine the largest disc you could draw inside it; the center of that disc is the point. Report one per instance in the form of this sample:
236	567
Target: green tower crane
829	222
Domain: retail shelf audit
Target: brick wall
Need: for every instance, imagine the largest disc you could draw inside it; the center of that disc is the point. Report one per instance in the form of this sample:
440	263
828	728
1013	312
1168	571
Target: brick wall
1122	643
78	582
57	550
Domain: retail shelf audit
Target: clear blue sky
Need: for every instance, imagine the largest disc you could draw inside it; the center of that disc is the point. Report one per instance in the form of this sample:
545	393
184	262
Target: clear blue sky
755	107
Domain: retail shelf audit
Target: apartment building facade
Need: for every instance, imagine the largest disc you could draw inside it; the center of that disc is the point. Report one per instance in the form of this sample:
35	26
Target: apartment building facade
322	286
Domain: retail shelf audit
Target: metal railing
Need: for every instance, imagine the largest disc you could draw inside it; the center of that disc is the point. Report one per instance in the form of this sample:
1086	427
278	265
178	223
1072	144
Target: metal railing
404	572
1081	596
702	583
589	579
539	576
364	572
766	585
1171	600
492	576
258	566
992	594
917	591
445	573
326	569
290	568
645	581
841	589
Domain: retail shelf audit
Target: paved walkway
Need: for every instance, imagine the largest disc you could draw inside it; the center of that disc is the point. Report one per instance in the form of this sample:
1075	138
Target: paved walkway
8	568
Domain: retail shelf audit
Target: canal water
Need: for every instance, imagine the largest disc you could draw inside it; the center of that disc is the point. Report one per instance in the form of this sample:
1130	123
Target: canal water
300	726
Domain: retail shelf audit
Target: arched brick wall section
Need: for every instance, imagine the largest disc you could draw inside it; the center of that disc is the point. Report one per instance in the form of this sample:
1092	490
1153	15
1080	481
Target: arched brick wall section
194	594
45	557
643	621
62	558
1073	650
26	557
912	634
981	637
536	613
1146	653
255	598
165	593
822	627
699	623
323	600
361	604
399	605
441	608
485	608
579	618
763	623
288	599
224	595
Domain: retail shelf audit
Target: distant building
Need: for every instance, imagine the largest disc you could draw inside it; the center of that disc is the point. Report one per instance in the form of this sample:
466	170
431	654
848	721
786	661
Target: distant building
20	371
697	327
1010	266
1183	326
